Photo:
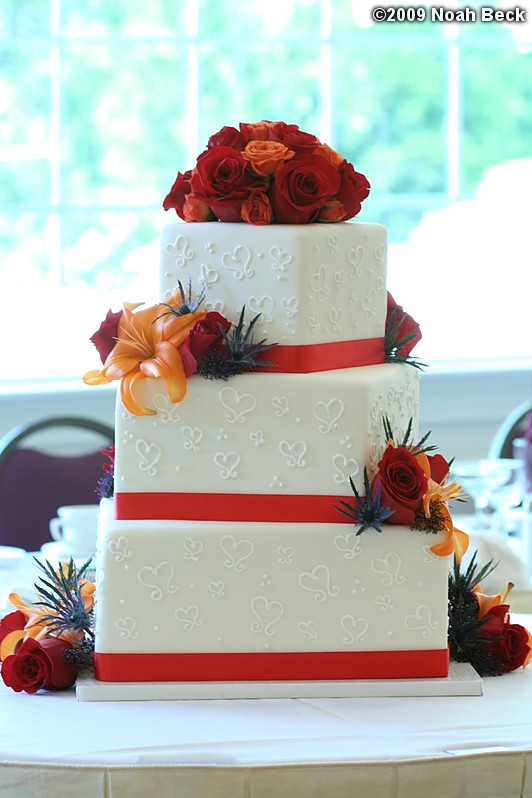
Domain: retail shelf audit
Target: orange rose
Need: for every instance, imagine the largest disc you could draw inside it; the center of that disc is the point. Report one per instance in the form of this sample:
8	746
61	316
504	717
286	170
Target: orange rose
195	210
257	209
332	211
266	156
334	158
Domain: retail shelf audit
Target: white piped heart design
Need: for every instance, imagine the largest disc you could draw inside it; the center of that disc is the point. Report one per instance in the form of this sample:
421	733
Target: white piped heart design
285	554
344	468
318	581
238	262
189	617
280	259
354	258
207	276
267	613
349	544
217	590
149	455
421	621
237	551
159	579
192	436
127	628
308	629
120	548
227	462
239	405
180	250
290	305
355	629
389	567
263	305
318	283
166	410
328	414
294	453
193	549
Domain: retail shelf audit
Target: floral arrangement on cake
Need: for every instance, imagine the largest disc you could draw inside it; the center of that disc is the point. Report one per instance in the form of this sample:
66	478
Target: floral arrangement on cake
268	172
45	644
172	340
480	628
410	487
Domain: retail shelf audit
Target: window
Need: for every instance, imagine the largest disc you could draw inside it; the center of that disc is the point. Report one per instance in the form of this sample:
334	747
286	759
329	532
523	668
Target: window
102	101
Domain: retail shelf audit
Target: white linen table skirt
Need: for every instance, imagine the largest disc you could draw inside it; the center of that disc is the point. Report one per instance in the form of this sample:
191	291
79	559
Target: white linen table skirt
424	747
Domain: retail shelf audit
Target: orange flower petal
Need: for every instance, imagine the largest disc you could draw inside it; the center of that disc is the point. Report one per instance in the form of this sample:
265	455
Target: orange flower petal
10	642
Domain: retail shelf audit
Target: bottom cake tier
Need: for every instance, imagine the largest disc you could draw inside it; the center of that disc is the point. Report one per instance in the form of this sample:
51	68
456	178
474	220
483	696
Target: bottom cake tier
197	601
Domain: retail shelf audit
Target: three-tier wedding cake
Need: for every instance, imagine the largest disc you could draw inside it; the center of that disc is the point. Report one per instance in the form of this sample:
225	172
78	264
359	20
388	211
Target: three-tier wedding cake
275	515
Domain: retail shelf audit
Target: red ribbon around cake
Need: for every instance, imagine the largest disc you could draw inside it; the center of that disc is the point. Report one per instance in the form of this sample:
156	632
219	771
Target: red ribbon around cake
325	357
247	507
274	666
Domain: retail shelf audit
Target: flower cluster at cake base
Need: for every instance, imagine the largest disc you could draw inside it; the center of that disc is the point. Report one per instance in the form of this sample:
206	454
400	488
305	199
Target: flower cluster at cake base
44	644
480	627
410	488
172	341
264	173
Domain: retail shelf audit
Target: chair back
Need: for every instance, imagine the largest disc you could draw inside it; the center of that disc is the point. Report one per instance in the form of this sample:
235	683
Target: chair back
33	483
511	428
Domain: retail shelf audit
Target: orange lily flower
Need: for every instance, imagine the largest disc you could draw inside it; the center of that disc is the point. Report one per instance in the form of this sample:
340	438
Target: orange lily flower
147	346
455	540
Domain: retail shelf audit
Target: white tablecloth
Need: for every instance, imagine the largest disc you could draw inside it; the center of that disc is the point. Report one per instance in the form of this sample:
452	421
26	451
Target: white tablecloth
431	747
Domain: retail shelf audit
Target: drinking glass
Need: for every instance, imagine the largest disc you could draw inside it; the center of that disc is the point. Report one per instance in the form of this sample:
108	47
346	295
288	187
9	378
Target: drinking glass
491	485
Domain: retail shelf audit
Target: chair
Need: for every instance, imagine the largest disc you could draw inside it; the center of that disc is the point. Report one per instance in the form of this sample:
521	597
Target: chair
34	483
512	427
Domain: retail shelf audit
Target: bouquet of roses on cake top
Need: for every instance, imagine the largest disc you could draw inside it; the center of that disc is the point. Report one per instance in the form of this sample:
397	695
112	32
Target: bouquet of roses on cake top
264	173
45	644
411	488
172	340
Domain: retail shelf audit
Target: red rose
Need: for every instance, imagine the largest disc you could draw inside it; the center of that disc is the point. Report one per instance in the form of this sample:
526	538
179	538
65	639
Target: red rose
295	139
222	181
178	193
104	339
39	665
354	188
12	622
402	482
512	644
439	467
302	185
403	329
227	137
207	335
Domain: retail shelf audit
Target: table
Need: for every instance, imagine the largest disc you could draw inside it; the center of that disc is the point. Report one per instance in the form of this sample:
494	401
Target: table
467	747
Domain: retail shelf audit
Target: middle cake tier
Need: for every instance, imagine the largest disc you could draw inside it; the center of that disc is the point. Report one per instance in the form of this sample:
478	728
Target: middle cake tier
293	440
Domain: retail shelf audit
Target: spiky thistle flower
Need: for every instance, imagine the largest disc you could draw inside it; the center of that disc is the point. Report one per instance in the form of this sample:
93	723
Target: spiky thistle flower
189	304
240	346
406	442
465	627
61	591
367	511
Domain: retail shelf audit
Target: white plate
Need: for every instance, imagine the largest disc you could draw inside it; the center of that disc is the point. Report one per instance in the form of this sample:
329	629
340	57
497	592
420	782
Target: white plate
11	556
55	551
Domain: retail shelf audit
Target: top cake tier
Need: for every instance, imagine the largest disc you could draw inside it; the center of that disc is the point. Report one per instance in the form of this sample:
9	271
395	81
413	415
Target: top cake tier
312	283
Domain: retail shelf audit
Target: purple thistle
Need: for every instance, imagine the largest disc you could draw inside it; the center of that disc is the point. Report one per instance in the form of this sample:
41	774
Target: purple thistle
367	511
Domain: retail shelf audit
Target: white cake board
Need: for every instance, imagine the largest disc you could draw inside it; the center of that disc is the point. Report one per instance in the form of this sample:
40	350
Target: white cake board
462	680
